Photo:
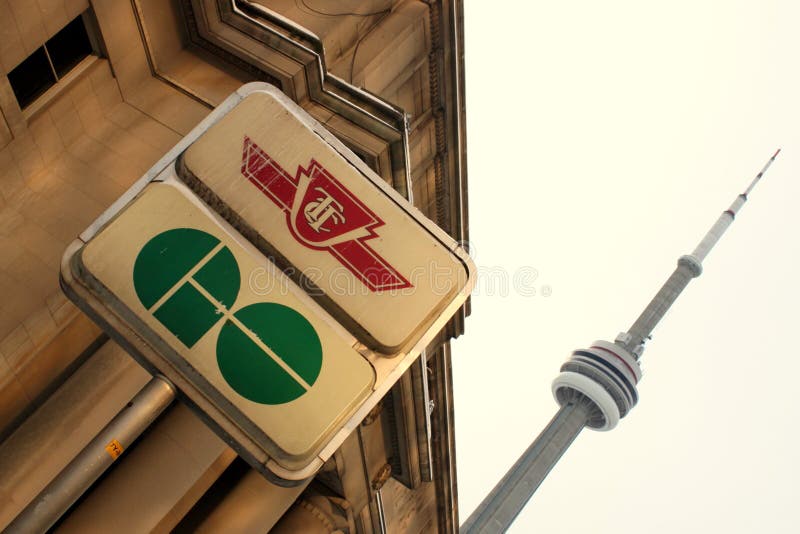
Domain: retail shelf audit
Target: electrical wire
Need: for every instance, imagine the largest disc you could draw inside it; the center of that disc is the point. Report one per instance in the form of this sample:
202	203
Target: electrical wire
358	43
343	14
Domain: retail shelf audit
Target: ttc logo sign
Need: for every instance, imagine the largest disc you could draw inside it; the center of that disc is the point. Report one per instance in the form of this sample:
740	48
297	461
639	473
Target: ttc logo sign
322	214
267	352
320	210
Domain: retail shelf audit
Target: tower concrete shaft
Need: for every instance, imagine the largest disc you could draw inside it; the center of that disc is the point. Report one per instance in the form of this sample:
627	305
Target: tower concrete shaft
509	496
596	388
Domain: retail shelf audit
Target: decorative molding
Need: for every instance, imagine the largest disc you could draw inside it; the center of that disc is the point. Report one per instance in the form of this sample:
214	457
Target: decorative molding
295	58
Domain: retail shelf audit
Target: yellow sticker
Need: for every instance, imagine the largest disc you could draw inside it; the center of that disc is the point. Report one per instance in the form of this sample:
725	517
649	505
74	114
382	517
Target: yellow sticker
114	448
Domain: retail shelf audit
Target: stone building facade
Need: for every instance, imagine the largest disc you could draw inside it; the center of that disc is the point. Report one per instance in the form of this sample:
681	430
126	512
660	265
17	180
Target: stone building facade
91	95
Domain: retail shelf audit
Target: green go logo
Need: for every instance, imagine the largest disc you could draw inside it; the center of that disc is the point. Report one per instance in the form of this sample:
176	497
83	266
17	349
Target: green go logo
267	352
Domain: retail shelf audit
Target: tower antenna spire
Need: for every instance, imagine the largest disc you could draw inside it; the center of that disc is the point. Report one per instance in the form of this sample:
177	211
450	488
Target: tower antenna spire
761	173
689	266
596	388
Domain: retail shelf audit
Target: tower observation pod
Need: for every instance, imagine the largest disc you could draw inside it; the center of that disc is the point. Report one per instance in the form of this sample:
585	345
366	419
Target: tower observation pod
596	388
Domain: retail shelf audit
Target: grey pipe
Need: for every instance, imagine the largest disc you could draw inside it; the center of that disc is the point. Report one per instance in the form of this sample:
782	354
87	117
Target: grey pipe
62	492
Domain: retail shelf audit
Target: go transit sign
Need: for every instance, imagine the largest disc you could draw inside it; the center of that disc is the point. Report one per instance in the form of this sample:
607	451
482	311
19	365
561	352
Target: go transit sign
272	277
273	359
267	352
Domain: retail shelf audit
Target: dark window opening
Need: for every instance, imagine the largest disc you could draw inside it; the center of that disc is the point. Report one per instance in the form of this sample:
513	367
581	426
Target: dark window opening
50	62
32	77
69	46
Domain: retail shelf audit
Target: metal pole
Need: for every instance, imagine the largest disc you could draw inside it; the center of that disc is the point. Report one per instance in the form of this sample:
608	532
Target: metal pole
499	509
95	458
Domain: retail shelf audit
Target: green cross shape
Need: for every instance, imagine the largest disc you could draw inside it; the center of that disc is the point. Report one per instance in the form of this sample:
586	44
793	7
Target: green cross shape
189	280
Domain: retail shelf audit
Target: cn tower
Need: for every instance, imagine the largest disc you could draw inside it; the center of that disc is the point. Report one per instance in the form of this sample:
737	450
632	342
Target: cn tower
596	388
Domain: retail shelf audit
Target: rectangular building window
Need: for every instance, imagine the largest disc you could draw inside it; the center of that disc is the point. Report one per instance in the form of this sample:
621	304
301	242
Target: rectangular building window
32	77
69	46
51	61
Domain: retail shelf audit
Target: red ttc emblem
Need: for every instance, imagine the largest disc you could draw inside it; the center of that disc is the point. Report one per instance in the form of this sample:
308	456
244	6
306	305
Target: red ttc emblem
322	214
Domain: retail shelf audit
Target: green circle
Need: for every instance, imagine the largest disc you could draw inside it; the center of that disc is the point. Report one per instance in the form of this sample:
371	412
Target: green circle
254	372
194	303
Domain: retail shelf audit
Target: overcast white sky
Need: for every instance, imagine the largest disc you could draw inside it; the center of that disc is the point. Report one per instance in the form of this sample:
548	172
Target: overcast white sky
604	139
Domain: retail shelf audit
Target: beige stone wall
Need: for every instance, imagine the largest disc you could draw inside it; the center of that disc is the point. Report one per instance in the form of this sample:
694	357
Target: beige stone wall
172	59
60	168
26	24
339	25
67	165
24	27
63	166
